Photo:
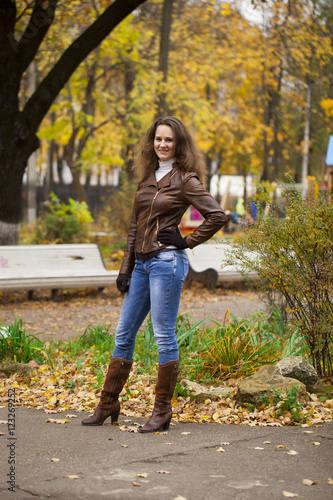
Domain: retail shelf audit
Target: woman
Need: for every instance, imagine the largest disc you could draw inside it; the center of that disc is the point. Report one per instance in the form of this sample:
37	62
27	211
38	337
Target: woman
171	171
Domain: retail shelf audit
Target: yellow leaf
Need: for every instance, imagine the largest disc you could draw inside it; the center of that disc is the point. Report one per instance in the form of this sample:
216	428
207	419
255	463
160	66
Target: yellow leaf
144	474
55	459
330	481
308	482
287	494
135	483
73	476
292	452
316	443
258	448
220	450
162	472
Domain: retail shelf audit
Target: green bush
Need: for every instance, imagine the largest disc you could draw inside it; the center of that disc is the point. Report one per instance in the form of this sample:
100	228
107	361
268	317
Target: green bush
63	223
294	256
16	345
236	350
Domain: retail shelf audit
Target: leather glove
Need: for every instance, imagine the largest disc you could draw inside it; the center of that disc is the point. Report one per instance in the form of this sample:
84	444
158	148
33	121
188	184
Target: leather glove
168	237
122	282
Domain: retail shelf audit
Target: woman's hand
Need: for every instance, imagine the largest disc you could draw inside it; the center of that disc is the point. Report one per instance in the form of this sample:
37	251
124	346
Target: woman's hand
123	282
168	237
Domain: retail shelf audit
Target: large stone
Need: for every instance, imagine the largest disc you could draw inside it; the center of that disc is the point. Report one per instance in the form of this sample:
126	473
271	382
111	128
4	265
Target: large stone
22	369
202	393
251	389
298	368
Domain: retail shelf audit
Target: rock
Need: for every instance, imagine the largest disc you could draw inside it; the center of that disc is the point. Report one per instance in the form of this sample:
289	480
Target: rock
20	368
213	394
251	389
202	393
299	368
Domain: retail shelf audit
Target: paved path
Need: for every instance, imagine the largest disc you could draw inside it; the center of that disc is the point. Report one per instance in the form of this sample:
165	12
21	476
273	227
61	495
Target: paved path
107	461
69	318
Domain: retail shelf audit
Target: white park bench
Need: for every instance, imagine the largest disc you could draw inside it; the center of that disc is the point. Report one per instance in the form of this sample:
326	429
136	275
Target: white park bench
205	263
30	267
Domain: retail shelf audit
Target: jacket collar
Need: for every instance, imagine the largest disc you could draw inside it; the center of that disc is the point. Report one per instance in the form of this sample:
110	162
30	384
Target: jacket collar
164	182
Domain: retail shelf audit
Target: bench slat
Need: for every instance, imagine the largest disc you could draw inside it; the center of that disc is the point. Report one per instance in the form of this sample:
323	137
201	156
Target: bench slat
28	267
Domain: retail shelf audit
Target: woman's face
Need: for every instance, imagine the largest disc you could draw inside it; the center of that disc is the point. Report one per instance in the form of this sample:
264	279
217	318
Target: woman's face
165	142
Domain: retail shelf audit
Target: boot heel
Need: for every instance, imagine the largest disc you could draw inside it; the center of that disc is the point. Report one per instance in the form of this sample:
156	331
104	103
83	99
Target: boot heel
166	425
114	418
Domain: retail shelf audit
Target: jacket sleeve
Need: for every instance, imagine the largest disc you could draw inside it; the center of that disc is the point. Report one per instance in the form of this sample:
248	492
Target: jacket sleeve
128	263
195	194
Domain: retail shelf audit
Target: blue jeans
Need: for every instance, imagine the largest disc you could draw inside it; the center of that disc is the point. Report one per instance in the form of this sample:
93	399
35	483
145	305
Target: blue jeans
155	286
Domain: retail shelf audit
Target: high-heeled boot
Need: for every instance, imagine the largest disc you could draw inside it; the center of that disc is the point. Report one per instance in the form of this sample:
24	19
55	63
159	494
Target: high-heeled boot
109	405
162	412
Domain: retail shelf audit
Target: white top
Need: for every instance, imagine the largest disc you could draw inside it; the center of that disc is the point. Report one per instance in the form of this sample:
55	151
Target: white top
164	168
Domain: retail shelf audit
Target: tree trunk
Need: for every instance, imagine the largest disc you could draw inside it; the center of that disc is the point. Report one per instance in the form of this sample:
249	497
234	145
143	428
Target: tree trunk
18	128
164	54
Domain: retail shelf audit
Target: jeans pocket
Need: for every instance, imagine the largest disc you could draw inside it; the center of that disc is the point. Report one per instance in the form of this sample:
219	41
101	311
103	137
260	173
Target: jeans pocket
165	256
185	265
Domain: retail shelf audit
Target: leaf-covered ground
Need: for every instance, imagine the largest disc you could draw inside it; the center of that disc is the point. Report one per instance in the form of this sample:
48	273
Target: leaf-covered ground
69	388
74	386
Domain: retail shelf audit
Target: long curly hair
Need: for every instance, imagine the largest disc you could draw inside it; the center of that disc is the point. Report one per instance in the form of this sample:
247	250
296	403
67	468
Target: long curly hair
188	156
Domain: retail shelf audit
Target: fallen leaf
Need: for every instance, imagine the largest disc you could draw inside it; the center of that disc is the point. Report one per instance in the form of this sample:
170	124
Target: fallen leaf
267	442
292	452
168	443
2	433
287	494
162	472
73	476
144	474
225	444
280	447
71	416
220	450
330	481
185	433
178	497
124	445
308	482
57	420
122	428
316	443
135	483
55	459
307	432
4	422
258	448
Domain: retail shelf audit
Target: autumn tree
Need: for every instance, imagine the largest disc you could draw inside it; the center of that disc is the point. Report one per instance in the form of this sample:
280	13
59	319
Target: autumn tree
23	27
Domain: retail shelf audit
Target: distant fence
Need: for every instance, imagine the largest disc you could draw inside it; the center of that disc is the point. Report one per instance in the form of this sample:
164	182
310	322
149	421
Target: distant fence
97	196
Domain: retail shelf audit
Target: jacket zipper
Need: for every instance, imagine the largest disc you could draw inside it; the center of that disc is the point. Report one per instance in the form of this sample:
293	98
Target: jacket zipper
151	209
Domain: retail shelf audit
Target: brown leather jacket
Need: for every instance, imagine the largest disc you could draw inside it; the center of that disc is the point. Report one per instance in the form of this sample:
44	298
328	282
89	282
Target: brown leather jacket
161	205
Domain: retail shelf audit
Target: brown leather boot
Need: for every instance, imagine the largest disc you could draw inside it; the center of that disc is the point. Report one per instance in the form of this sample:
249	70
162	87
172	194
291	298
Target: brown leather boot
109	405
162	412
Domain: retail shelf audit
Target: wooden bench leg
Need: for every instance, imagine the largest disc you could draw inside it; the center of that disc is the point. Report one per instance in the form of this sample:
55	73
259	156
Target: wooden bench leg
54	295
30	294
208	277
